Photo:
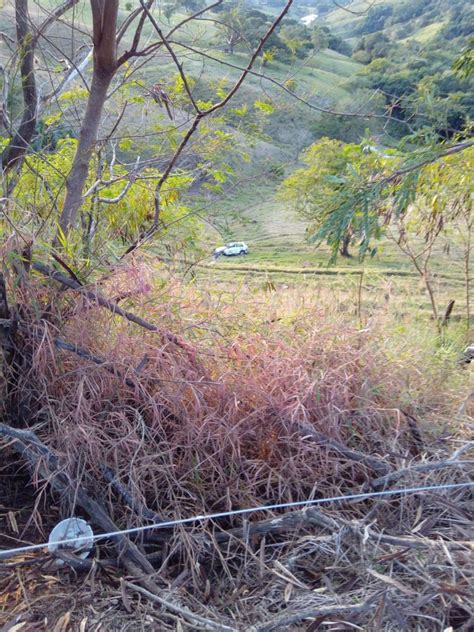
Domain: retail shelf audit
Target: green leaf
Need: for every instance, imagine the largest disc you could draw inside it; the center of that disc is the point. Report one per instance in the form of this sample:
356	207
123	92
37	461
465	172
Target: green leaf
126	144
264	106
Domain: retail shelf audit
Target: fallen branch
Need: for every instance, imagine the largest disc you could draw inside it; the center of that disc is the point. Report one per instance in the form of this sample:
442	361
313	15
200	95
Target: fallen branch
96	297
411	542
414	428
138	508
83	565
305	518
41	459
377	465
188	615
59	343
393	477
296	616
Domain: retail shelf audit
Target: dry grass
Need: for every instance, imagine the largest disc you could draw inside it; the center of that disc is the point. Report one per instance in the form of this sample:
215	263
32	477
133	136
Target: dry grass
218	419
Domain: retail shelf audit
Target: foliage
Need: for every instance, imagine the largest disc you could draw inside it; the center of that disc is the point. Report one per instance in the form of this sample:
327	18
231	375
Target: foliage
463	66
353	192
376	18
412	71
242	27
320	38
352	129
317	191
104	226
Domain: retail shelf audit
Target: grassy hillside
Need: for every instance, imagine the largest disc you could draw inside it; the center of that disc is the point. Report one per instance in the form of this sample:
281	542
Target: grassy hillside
420	18
281	260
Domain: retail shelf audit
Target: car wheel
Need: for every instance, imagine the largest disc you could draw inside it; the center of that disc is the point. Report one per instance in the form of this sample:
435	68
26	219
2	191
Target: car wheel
242	252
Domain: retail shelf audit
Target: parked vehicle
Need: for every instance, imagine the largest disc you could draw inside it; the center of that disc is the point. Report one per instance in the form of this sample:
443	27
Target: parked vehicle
232	249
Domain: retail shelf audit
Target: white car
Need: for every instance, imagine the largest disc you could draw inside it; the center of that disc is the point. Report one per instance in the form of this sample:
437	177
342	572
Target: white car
231	249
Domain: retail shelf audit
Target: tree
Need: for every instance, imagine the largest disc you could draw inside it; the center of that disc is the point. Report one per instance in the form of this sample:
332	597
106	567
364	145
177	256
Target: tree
117	54
439	208
26	45
463	65
350	129
320	38
106	64
297	39
232	27
376	18
316	190
355	192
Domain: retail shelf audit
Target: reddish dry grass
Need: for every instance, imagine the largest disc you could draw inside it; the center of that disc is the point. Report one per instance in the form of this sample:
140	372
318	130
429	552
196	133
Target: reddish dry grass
211	424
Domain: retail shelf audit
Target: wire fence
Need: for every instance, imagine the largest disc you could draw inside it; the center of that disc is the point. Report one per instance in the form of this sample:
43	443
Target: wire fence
88	540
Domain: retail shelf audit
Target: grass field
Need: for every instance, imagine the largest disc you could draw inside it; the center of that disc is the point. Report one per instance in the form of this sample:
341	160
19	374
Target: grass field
426	33
281	260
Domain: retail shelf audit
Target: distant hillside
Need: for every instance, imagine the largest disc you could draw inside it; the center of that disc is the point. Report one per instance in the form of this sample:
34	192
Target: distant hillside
399	19
408	48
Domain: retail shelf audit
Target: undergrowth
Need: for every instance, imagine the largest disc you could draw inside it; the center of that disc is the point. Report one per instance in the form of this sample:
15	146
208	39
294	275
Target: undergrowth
218	410
213	422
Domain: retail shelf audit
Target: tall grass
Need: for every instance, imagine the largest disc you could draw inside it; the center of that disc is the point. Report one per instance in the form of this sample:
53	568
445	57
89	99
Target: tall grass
215	422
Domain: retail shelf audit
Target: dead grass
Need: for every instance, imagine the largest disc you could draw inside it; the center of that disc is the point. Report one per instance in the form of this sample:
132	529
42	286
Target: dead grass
223	420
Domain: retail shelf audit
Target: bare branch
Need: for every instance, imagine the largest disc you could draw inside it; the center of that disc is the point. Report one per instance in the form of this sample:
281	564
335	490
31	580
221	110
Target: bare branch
173	55
289	618
302	519
40	457
52	18
209	7
346	8
137	35
201	114
372	462
393	477
284	88
104	302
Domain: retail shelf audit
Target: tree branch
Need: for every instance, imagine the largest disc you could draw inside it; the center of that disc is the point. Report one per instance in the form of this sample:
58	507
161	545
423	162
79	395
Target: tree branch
455	149
196	620
173	55
282	86
201	114
52	18
372	462
393	477
289	618
112	307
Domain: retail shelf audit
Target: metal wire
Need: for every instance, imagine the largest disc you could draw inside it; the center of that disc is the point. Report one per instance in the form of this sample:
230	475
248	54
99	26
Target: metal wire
225	514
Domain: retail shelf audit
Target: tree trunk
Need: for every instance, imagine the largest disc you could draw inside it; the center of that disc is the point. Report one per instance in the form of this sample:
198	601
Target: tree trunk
87	139
104	19
26	46
345	243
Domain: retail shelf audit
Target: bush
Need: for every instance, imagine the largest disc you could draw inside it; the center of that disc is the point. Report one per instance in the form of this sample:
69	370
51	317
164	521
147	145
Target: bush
277	170
362	56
